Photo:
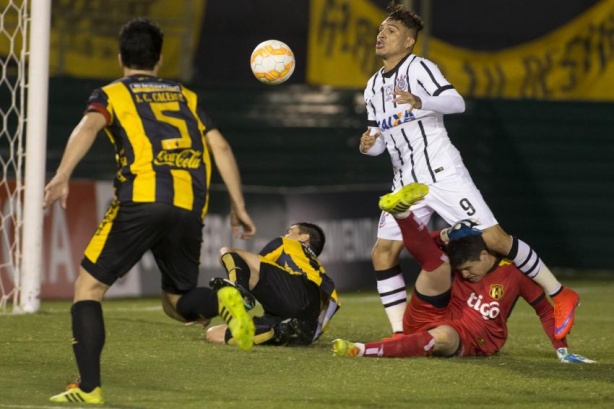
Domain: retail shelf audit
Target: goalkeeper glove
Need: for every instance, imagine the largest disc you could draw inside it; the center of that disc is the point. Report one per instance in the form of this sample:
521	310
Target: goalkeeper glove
568	358
461	229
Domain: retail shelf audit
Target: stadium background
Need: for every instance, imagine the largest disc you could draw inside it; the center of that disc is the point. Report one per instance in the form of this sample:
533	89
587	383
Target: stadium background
536	136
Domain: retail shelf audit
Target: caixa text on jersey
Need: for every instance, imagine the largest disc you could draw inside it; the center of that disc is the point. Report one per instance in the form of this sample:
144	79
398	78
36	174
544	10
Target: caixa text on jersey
396	119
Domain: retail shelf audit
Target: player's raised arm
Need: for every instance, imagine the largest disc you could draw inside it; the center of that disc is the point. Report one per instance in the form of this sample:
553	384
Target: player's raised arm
441	96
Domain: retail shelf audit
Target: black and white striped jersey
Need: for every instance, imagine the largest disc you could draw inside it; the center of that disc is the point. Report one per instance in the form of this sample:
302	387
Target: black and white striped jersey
416	140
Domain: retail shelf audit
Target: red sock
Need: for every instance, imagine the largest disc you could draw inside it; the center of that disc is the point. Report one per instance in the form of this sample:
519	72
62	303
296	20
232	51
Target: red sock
418	344
419	243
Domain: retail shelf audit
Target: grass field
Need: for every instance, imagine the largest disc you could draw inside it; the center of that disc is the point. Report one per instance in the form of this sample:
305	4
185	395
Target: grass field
150	361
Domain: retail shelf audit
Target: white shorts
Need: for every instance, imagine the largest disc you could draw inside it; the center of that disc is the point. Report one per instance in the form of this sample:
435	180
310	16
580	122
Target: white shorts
454	198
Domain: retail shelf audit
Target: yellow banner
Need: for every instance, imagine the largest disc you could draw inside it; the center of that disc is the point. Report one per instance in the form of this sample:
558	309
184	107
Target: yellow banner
84	34
575	61
341	43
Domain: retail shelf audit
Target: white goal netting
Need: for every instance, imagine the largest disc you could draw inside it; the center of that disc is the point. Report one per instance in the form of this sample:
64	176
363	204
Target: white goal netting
13	29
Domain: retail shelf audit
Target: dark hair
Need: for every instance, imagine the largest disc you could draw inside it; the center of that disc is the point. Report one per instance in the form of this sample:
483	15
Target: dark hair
410	19
140	44
464	250
317	239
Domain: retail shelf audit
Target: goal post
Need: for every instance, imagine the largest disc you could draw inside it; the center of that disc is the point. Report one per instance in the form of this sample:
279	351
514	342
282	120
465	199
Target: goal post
36	146
24	44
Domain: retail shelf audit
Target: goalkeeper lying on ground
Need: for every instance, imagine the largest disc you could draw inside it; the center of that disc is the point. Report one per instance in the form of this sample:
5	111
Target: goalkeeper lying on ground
459	307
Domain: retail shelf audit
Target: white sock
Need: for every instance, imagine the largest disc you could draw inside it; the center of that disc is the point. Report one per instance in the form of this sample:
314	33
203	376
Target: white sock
361	348
527	261
393	294
547	280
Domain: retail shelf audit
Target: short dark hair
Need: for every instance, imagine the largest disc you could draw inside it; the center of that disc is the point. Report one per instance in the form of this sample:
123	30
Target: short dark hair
464	250
140	44
317	239
410	19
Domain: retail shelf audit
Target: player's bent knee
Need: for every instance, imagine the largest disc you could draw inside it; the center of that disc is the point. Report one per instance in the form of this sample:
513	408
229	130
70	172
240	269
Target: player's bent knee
447	340
87	287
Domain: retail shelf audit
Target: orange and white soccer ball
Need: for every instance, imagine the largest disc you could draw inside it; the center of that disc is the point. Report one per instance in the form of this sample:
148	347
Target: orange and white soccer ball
272	62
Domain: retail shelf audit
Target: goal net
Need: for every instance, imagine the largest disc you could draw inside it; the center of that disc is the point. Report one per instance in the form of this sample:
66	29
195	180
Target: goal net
12	112
24	72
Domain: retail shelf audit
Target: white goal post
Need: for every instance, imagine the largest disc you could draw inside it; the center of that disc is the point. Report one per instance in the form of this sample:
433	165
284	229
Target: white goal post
24	36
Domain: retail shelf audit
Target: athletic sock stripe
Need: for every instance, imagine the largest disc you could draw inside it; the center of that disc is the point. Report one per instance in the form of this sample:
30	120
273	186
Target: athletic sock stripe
383	275
514	250
397	302
532	272
526	260
396	291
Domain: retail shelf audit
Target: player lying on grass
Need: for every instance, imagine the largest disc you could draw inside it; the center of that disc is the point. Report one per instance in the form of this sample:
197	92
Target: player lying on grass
462	299
286	277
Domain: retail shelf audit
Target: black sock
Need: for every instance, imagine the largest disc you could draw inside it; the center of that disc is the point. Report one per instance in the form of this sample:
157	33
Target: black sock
237	269
88	340
198	302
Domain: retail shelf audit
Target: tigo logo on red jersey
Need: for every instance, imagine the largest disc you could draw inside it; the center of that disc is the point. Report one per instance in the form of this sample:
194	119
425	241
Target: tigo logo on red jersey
487	310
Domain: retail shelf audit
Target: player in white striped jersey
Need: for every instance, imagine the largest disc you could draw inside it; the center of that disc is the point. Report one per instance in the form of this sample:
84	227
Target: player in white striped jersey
406	101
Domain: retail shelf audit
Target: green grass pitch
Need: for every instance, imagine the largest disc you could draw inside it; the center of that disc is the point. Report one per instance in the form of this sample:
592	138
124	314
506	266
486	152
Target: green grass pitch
151	361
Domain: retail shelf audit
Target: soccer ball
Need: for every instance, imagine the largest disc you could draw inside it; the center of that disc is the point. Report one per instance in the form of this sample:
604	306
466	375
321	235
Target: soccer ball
272	62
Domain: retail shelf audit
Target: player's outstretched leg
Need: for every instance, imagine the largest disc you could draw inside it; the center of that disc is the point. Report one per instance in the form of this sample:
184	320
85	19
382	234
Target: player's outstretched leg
74	394
565	303
399	201
342	347
235	315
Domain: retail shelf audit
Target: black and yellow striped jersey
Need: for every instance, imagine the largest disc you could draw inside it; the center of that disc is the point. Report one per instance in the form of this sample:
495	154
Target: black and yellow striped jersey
157	127
296	258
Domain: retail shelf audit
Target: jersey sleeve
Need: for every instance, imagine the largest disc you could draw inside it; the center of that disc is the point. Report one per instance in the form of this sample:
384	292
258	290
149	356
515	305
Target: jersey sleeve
536	297
99	102
441	96
380	145
206	119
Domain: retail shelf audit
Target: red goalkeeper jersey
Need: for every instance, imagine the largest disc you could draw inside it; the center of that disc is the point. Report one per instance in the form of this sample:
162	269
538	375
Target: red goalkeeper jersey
479	311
